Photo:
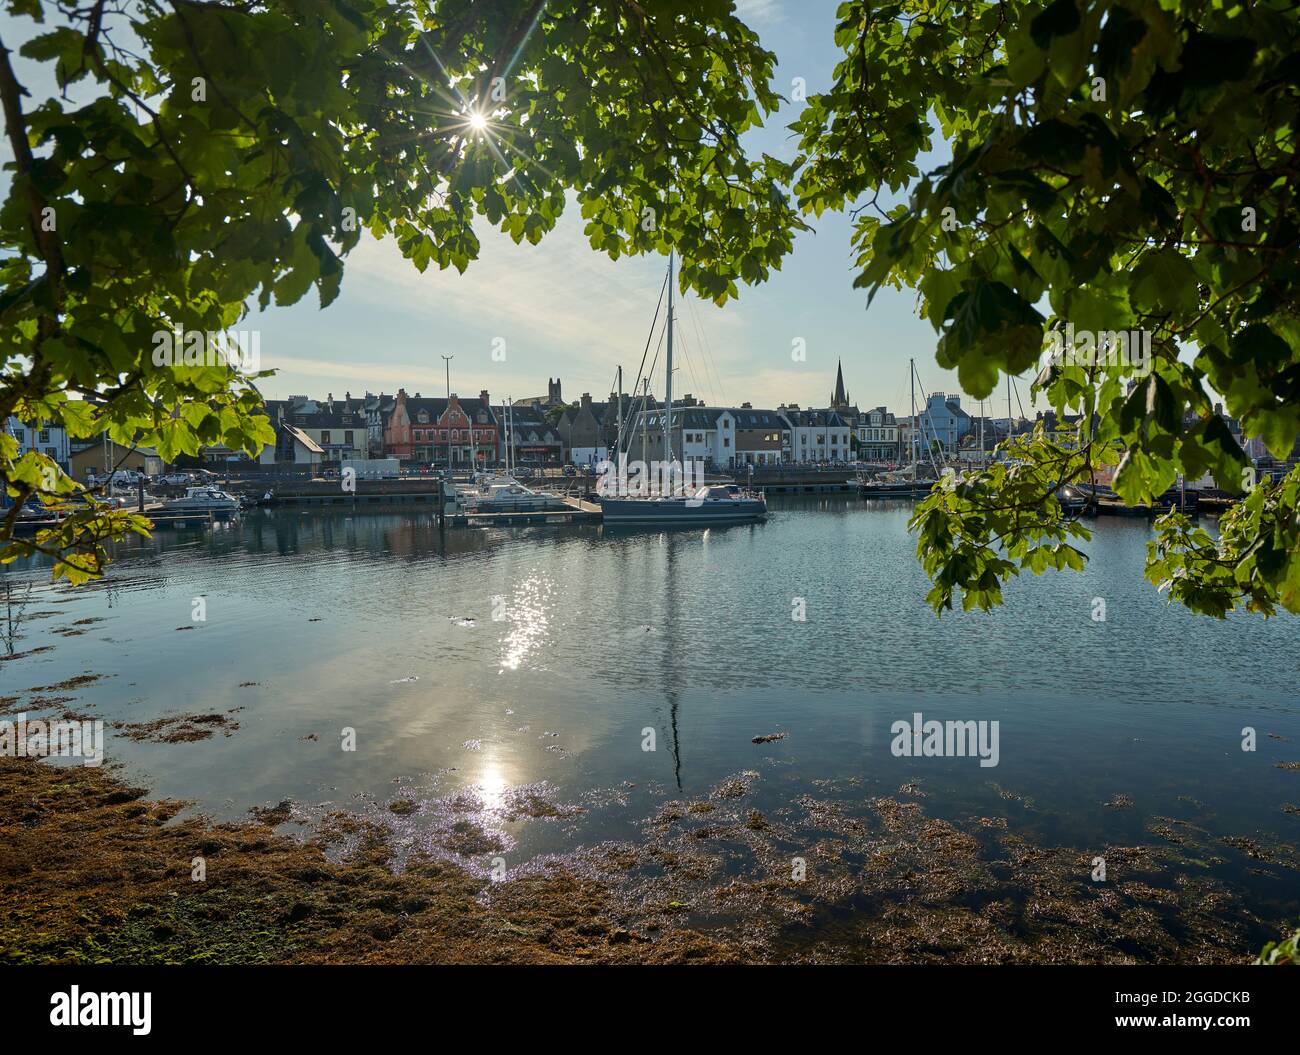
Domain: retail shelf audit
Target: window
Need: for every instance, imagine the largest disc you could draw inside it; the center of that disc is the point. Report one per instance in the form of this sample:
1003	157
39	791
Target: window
19	436
325	436
45	435
347	438
726	441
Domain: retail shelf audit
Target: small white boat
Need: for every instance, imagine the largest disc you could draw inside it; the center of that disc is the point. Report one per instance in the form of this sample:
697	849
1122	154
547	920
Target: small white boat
203	500
514	497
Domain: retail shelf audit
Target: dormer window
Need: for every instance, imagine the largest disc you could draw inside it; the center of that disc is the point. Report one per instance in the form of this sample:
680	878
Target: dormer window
423	417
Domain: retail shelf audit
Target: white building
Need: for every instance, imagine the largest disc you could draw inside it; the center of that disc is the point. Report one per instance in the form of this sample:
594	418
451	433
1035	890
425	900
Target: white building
817	435
703	434
50	440
878	439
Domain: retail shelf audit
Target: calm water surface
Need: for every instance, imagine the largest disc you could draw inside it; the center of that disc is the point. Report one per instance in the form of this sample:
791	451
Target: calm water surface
491	659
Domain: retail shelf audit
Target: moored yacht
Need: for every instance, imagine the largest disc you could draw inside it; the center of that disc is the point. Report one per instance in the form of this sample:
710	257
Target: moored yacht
203	500
715	504
711	504
514	497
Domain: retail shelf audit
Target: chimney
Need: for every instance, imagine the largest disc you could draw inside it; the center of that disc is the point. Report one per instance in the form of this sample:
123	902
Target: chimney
746	406
483	398
586	401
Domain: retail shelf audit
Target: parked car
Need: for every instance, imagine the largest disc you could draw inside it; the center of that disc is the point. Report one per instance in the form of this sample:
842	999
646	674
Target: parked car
119	478
176	479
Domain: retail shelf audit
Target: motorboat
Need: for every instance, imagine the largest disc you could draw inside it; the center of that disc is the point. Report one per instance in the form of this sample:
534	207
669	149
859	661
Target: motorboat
514	497
203	500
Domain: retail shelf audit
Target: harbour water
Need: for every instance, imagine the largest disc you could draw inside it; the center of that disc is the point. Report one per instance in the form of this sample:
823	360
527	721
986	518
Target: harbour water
482	662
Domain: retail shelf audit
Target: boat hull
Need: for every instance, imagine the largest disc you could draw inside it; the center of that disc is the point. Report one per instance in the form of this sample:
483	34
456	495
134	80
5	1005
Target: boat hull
644	512
202	509
896	490
537	504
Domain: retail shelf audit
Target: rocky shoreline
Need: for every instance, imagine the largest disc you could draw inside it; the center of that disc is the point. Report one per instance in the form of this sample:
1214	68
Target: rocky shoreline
93	870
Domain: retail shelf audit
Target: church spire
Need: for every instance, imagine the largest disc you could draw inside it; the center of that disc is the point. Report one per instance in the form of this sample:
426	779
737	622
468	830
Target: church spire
839	399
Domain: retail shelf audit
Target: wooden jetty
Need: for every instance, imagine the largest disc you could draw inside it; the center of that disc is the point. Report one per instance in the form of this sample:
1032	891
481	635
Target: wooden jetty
578	511
792	480
159	518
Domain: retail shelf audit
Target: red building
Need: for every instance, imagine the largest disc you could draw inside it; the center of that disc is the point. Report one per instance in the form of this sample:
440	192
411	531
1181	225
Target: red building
427	430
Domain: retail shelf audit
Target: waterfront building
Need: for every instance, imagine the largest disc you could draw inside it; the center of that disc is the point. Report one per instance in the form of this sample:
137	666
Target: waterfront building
582	434
376	410
534	439
437	430
878	437
816	435
338	429
295	445
941	421
47	439
103	455
763	437
725	437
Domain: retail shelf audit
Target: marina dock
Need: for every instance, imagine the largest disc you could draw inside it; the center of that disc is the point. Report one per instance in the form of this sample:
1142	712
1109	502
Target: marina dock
578	511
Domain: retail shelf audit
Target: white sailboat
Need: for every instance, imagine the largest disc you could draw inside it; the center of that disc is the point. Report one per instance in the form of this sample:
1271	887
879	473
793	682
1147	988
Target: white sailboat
912	480
703	506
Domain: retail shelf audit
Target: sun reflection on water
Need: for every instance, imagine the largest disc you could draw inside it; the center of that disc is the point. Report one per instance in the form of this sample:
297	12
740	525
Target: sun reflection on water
492	786
528	612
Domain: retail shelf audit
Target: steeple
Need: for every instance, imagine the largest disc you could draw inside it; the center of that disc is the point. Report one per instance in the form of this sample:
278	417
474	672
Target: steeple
840	398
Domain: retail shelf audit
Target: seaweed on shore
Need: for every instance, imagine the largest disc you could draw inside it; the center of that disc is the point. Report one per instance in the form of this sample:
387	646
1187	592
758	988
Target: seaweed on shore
92	872
95	871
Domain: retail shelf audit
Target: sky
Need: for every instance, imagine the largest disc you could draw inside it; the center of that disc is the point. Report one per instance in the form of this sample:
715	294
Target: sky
561	309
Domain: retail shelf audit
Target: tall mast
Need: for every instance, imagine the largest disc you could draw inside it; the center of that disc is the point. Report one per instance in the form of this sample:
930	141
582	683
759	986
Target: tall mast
668	397
911	380
618	442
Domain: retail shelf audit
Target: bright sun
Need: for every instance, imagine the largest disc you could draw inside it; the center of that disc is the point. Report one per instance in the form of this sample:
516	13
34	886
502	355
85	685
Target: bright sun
477	122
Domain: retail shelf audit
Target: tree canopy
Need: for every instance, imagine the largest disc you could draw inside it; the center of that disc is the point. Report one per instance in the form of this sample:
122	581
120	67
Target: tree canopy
199	160
1117	168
